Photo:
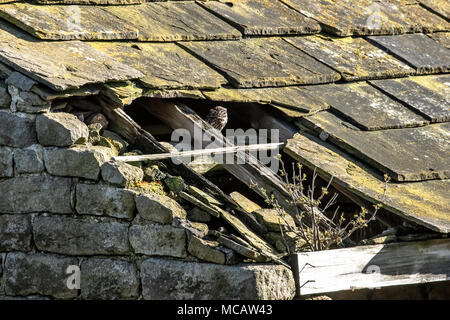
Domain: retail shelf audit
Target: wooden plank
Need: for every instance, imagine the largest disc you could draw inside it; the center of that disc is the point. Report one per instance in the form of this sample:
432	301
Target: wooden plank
370	267
408	154
193	153
262	62
174	21
165	65
59	65
432	103
354	58
367	107
421	52
262	17
426	203
52	22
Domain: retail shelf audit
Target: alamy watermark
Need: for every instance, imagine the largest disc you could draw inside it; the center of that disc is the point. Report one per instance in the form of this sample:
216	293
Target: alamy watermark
201	139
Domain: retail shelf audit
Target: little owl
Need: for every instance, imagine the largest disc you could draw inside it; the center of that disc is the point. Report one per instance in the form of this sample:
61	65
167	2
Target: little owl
217	117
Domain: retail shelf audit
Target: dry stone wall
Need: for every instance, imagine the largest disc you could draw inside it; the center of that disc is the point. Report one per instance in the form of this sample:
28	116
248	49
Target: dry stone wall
64	204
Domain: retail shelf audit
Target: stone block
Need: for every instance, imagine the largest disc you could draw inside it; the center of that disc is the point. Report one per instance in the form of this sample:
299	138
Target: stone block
72	236
29	160
35	194
158	240
17	129
60	129
170	279
109	279
44	274
79	161
6	162
159	208
15	233
121	174
99	199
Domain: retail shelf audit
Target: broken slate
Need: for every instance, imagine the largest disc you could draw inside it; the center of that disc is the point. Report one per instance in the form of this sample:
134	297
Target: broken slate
354	58
367	107
408	154
262	62
59	65
174	21
165	65
57	22
262	17
418	50
430	101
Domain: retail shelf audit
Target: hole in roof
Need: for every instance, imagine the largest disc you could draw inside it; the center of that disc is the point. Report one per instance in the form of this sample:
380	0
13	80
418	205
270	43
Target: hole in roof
230	4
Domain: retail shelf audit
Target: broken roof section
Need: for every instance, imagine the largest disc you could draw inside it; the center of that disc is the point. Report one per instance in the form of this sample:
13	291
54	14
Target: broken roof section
360	75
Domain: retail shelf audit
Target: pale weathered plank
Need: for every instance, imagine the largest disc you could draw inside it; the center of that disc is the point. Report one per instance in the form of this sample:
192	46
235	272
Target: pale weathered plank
372	266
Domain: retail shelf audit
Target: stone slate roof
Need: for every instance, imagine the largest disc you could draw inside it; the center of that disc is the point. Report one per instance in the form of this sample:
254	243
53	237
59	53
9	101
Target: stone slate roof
366	81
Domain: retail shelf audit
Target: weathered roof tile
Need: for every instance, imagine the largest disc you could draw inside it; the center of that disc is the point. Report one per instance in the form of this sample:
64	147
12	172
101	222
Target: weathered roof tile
441	7
174	21
262	17
59	65
427	95
60	22
409	154
367	107
262	62
99	2
426	203
165	65
293	97
370	17
442	37
420	51
354	58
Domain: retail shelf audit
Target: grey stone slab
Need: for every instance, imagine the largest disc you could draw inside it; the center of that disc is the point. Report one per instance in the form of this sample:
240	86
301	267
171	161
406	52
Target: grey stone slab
354	58
262	62
370	17
165	65
408	154
174	21
44	274
430	99
442	37
367	107
71	236
61	22
418	50
262	17
59	65
33	193
441	7
177	280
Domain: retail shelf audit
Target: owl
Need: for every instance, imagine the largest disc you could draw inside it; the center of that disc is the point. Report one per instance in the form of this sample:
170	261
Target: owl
217	117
